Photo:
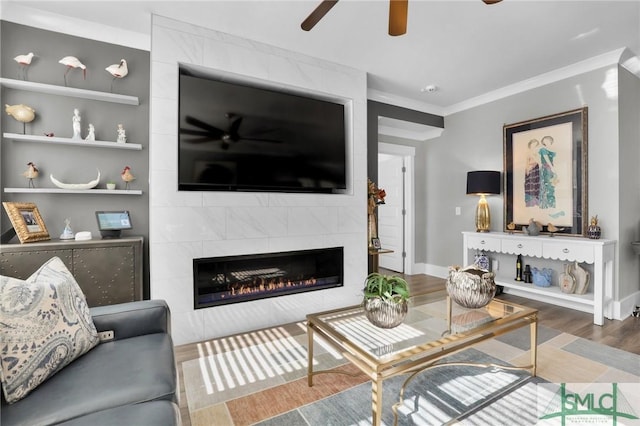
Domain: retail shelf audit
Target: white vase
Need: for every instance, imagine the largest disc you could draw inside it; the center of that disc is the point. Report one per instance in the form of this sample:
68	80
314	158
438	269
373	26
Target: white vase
581	276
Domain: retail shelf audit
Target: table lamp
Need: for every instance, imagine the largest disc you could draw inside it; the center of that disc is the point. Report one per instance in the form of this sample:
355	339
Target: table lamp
483	182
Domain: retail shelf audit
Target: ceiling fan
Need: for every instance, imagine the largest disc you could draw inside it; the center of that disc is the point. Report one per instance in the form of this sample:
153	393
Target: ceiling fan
210	133
397	15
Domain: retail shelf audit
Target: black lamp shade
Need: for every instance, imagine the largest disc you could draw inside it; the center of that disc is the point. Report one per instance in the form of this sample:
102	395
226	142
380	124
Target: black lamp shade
483	182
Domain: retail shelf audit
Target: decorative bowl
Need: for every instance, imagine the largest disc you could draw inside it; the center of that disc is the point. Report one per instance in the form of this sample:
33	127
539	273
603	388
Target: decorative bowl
470	287
385	313
542	277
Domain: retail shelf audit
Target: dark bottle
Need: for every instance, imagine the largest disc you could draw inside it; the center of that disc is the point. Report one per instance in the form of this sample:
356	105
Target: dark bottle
528	278
519	268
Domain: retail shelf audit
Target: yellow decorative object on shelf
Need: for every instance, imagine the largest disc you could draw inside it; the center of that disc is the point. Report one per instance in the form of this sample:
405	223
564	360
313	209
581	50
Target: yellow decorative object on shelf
21	112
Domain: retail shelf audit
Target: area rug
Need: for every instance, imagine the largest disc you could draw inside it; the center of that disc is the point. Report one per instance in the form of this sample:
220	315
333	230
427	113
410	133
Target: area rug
260	378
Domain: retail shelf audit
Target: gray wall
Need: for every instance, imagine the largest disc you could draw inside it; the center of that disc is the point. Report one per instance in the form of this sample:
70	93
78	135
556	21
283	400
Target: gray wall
75	164
629	177
473	140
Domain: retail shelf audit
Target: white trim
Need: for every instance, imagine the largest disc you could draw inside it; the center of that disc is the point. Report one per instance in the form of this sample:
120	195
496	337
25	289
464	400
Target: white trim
430	133
38	18
436	270
622	309
621	56
409	153
572	70
391	99
394	149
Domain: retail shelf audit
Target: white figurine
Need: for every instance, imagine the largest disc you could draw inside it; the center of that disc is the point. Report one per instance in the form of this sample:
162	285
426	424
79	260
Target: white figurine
67	234
77	120
122	135
91	136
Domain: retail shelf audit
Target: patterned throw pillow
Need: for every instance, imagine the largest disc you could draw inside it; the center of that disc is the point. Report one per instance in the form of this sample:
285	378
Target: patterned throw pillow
44	325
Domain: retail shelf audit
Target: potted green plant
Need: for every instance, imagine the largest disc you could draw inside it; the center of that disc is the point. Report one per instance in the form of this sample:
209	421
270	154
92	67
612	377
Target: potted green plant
385	300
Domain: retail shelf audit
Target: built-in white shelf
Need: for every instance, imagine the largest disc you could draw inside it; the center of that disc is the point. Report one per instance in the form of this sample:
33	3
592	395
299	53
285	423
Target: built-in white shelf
52	89
68	141
73	191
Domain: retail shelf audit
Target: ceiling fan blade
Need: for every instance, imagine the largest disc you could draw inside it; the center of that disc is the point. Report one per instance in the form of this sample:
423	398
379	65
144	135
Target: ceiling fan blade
398	17
317	14
194	132
491	1
235	125
213	131
201	140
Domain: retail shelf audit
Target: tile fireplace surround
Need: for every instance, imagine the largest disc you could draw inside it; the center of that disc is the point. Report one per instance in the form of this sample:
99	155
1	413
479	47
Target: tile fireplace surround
189	225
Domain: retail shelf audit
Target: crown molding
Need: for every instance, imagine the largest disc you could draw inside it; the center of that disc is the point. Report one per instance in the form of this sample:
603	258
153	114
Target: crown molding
37	18
401	101
596	62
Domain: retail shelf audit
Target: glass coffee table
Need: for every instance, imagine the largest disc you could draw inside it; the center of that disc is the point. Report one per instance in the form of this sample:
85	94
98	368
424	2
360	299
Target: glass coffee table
434	328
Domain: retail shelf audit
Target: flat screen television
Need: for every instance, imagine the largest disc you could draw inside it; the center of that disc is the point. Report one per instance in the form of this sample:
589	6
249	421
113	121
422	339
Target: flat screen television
236	135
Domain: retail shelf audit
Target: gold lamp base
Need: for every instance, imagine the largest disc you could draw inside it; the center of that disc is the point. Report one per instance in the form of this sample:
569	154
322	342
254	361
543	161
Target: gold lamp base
483	217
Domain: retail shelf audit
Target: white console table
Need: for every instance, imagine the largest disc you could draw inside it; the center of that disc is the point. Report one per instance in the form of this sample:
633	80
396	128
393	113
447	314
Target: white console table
599	253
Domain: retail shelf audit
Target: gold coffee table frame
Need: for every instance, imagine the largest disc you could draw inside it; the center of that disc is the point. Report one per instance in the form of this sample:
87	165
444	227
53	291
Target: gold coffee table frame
418	357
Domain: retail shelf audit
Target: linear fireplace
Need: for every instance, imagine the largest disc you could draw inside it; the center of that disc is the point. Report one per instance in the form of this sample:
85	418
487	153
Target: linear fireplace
233	279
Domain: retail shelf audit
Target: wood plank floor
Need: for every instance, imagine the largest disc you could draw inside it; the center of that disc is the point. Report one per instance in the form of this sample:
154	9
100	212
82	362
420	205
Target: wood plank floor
619	334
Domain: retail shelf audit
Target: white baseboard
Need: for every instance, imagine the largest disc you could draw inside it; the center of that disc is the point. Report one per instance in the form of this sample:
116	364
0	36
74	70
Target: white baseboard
623	308
436	271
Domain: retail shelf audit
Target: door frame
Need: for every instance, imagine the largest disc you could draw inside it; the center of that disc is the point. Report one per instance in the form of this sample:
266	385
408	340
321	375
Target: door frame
408	153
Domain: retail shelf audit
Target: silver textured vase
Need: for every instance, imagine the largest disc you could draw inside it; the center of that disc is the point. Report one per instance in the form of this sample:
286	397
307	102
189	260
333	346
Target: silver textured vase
384	313
470	287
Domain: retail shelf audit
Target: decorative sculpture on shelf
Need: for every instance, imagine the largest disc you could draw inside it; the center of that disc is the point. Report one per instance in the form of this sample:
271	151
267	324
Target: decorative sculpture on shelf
71	62
533	228
22	113
553	229
119	70
593	231
77	122
31	173
122	134
67	234
127	176
24	61
375	197
89	185
91	136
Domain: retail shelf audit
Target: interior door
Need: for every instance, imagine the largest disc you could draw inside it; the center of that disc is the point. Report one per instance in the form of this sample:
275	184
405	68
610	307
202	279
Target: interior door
390	215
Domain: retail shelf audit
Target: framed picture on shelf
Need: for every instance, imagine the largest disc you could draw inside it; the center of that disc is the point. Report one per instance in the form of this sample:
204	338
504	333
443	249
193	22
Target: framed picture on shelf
375	242
545	169
26	221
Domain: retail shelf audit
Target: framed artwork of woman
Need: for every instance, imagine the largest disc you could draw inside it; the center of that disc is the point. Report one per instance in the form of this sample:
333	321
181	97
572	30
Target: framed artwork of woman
545	169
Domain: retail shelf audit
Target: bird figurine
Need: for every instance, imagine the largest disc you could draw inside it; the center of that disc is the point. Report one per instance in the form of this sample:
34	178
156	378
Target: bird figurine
22	113
119	70
511	227
24	61
71	62
31	173
533	228
553	229
127	176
